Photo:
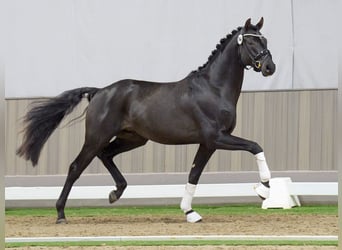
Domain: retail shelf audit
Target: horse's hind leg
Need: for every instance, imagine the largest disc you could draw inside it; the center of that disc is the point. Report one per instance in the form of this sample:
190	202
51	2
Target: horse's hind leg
76	168
202	156
119	145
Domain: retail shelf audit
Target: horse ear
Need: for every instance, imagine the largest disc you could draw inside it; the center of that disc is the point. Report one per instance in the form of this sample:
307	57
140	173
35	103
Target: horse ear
260	23
247	24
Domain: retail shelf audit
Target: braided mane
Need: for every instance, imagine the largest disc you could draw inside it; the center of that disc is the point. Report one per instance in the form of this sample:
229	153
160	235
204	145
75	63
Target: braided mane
219	48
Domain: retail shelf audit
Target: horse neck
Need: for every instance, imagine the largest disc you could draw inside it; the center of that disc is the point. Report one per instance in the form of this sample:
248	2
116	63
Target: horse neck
226	72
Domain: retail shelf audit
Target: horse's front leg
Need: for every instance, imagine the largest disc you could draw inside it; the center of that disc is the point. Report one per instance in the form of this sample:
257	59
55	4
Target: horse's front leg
230	142
202	156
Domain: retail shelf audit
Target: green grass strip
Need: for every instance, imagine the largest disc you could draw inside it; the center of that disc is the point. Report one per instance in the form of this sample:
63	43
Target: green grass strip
174	210
179	243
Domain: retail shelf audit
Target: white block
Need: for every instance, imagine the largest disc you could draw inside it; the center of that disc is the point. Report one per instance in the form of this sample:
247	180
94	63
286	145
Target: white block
280	196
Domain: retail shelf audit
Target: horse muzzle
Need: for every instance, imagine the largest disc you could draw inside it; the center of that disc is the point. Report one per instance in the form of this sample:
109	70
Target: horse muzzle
268	67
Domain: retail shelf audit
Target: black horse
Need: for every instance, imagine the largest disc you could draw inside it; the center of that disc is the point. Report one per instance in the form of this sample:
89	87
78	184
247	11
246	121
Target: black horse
200	109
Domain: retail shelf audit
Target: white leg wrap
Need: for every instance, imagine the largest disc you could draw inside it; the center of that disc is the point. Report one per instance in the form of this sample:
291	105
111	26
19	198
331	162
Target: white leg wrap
191	216
264	172
265	176
187	197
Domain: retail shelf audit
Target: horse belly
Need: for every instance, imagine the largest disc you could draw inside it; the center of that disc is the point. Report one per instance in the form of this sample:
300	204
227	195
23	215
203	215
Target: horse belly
174	137
168	129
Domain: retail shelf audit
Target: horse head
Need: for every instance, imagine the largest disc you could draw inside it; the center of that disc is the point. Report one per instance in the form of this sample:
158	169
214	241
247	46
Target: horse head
253	49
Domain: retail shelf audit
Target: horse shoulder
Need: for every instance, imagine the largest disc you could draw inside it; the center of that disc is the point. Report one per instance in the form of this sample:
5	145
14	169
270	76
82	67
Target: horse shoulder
212	111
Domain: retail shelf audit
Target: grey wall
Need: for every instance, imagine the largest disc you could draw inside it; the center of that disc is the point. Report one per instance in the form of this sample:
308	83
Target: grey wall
296	128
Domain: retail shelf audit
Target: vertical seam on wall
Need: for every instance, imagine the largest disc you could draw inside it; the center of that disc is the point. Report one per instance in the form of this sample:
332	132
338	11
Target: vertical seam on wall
293	44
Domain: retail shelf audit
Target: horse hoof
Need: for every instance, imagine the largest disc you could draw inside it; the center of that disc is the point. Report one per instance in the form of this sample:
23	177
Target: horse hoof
112	197
61	221
193	217
262	191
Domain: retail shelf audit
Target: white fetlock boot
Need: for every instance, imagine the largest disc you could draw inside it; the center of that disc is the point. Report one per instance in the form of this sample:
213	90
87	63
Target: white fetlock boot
262	190
191	215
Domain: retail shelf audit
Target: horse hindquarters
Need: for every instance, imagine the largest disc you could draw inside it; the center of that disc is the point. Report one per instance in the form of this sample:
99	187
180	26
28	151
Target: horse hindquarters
104	120
95	141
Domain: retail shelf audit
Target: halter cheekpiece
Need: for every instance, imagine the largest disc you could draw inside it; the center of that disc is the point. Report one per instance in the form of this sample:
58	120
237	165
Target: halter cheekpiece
256	59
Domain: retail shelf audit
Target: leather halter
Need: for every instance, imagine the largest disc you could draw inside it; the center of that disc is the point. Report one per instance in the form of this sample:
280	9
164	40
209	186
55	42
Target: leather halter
256	60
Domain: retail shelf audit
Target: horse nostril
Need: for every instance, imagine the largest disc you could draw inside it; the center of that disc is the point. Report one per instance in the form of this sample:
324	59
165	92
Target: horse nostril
270	68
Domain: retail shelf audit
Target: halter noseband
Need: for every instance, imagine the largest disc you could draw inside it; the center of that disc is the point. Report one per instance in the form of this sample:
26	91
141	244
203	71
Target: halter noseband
256	59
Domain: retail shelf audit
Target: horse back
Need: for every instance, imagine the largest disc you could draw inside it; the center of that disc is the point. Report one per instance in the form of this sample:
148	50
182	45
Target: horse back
168	113
156	111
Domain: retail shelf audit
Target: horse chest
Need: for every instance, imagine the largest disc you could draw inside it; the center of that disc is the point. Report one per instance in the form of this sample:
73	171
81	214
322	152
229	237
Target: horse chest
218	114
228	119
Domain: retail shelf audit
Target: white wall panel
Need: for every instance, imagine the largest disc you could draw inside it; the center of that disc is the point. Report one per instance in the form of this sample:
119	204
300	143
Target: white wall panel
316	37
58	45
53	46
39	53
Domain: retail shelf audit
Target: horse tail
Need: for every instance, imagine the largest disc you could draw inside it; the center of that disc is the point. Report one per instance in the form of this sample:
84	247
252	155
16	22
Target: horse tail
45	116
